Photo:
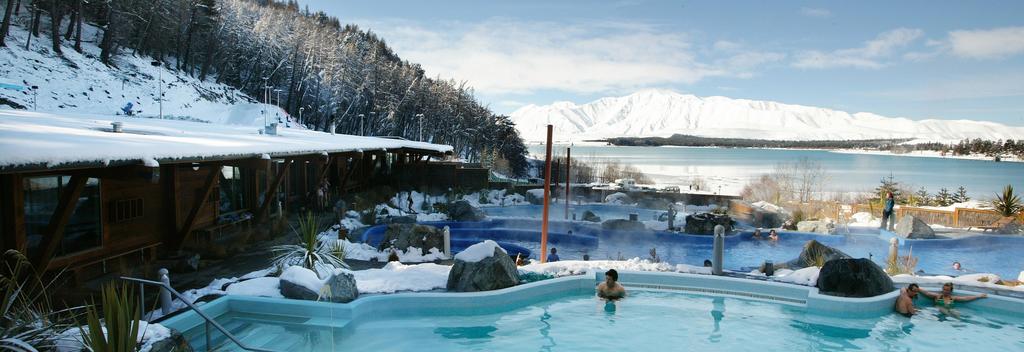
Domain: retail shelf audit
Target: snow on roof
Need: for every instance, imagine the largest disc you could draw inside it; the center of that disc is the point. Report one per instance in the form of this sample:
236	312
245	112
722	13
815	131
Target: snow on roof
37	138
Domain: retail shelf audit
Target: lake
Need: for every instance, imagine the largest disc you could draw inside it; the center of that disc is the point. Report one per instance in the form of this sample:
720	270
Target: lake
727	170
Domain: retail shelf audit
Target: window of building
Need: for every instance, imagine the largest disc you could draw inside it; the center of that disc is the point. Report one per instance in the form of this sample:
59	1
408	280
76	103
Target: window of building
83	230
232	190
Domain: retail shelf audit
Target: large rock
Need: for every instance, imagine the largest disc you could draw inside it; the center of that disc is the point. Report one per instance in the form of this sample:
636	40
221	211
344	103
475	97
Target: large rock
297	282
704	223
623	225
403	236
461	210
535	196
815	253
816	226
174	343
342	288
913	228
590	216
619	198
495	272
294	290
853	278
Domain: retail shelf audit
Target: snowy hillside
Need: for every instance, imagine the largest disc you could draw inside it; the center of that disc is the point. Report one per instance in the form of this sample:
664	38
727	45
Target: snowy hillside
662	113
80	83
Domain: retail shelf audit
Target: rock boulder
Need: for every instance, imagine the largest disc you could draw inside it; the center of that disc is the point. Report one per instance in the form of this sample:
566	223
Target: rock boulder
913	228
295	290
590	216
853	278
816	226
814	253
704	223
174	343
495	272
461	210
403	236
623	225
342	287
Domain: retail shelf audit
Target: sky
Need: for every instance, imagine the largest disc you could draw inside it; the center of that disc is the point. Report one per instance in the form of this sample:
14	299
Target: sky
914	59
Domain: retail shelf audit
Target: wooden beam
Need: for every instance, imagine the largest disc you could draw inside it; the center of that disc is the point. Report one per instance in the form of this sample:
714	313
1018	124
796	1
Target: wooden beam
12	216
197	204
272	190
169	197
54	232
350	168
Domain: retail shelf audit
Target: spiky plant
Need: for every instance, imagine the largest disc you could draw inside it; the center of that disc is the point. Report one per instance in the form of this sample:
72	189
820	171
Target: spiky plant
27	320
320	256
1007	204
118	329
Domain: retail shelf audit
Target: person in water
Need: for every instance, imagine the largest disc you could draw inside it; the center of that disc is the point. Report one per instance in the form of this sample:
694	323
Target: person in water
957	267
945	299
905	302
610	289
553	257
773	235
757	234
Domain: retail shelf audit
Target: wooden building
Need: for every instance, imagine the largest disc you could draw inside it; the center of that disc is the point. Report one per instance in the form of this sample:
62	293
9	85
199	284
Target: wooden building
78	193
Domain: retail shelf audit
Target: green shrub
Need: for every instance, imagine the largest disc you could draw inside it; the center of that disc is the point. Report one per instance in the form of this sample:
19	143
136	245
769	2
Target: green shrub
27	319
120	320
310	252
1007	204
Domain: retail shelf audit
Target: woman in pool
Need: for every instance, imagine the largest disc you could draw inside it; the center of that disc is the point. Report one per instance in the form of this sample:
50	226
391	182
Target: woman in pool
946	299
773	235
610	289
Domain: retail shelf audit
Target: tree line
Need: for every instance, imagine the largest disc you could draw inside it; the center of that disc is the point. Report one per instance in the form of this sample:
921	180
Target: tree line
336	77
697	141
975	146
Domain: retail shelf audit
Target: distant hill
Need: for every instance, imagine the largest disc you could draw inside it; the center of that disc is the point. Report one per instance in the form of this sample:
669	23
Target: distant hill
663	113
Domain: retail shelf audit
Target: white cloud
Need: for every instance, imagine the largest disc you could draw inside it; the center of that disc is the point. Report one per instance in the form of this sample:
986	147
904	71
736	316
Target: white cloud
501	56
871	55
986	86
987	44
815	12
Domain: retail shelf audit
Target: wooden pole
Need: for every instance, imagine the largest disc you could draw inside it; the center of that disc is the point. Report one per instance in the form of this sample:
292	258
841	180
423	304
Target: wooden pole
568	170
547	201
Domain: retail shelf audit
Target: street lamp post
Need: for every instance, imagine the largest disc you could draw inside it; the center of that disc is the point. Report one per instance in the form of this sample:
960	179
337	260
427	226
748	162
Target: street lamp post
300	114
362	118
266	95
35	94
159	86
277	112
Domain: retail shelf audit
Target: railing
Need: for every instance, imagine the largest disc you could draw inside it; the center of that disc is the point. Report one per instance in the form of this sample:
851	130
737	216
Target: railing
208	320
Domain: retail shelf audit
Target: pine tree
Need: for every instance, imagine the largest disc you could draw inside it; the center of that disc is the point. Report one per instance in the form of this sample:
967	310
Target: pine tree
889	184
943	198
921	197
961	195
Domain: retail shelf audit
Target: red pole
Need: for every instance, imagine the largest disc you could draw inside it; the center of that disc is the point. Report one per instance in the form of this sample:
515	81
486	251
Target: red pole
568	159
547	201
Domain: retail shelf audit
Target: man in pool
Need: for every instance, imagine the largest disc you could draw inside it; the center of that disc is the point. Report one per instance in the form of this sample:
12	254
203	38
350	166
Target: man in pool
905	302
757	234
945	299
610	289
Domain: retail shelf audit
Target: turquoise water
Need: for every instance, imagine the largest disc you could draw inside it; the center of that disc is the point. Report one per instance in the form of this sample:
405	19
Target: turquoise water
647	320
847	172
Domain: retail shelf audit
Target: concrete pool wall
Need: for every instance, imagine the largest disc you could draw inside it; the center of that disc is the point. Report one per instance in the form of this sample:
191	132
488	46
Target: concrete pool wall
339	315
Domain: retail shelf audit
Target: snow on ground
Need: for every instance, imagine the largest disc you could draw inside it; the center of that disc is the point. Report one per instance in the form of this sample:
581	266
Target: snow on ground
971	204
925	154
479	251
580	267
768	207
70	340
262	287
363	251
864	219
496	197
806	276
396	277
301	276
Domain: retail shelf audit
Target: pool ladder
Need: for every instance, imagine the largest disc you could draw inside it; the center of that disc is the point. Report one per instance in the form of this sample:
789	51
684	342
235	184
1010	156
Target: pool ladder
208	320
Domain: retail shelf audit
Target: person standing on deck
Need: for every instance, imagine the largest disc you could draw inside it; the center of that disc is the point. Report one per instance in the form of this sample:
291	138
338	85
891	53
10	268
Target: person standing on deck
887	216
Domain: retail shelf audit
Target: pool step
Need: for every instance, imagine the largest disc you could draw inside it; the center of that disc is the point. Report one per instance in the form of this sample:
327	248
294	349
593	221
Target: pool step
264	332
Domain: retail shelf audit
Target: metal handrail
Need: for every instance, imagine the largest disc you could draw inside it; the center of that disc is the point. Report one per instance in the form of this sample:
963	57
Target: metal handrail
207	318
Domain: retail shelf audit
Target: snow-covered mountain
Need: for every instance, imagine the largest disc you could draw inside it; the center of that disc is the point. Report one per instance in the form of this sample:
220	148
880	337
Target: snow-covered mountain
662	113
